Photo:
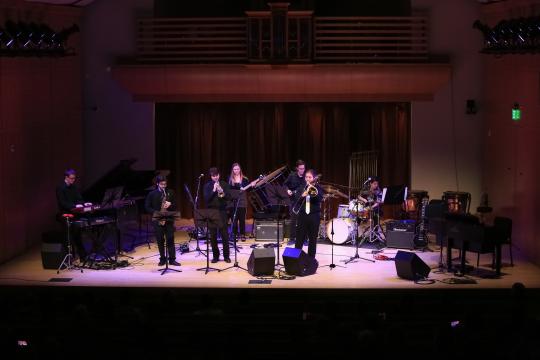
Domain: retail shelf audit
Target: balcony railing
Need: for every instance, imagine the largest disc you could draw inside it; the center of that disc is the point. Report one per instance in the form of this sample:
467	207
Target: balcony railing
285	37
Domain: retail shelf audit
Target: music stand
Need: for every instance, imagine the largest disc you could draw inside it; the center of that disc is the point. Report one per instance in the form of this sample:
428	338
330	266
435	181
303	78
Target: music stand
235	265
166	216
279	199
209	218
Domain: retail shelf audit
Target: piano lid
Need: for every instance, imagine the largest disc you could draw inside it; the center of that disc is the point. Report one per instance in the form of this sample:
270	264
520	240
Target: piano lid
134	182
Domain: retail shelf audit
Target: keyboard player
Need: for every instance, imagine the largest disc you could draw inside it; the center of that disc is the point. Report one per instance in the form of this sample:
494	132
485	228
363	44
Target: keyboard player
68	198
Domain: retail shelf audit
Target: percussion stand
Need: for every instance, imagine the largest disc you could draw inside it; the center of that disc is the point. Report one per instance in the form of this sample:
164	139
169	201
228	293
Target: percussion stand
332	265
356	255
68	259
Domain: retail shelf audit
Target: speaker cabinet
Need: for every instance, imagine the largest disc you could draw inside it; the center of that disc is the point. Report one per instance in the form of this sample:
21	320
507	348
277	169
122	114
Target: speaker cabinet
267	230
400	239
261	262
409	266
297	262
52	255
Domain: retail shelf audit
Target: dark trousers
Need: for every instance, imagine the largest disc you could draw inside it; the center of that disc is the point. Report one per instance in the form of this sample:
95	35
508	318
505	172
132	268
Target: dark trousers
240	220
165	232
224	237
292	230
308	226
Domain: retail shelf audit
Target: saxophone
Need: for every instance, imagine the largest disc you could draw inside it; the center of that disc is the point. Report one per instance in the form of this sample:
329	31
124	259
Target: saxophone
163	201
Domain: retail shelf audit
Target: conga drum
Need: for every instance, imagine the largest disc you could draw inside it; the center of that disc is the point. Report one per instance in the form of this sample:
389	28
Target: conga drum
414	199
458	202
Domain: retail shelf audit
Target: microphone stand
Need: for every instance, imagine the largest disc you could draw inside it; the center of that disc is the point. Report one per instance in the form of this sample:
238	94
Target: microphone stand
194	204
235	265
356	255
332	265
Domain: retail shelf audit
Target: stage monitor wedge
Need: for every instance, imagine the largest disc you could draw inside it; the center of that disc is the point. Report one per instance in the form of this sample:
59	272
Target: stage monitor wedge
409	266
298	263
261	262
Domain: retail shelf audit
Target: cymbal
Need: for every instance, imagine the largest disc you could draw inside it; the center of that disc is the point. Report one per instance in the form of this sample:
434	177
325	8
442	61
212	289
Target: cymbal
332	190
339	193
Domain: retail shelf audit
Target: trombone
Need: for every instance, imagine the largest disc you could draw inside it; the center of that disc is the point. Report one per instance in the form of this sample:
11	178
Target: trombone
309	190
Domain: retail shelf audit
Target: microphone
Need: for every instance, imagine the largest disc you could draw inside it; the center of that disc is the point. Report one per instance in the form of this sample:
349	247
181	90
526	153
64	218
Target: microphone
202	175
368	179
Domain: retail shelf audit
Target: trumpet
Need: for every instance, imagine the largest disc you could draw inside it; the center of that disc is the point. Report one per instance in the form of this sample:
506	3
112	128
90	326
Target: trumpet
219	189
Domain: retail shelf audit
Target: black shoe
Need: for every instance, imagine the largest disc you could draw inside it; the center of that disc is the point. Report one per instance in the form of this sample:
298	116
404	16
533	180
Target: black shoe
161	263
227	260
174	262
214	260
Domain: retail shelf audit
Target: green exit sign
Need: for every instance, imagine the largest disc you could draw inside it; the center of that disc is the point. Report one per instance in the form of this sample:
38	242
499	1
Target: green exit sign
516	112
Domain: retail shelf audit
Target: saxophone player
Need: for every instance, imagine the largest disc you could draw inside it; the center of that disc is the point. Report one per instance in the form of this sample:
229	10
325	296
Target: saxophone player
161	199
216	193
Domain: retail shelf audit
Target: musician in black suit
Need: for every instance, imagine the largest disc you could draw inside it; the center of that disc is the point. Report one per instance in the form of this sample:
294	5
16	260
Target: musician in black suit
161	199
309	213
295	184
68	197
216	194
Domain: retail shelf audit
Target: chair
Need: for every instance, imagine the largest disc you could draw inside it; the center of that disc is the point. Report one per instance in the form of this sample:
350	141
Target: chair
500	233
503	229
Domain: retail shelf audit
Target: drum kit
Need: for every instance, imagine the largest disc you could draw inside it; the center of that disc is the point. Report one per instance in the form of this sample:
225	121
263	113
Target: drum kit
351	217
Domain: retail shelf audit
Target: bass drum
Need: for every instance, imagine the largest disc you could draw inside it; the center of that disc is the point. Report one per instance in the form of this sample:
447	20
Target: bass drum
343	229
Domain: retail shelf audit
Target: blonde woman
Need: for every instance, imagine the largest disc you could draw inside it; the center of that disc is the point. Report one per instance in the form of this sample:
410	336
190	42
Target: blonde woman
238	183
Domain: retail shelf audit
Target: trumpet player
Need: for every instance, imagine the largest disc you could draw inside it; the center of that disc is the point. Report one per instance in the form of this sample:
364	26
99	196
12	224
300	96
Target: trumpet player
309	214
161	199
216	193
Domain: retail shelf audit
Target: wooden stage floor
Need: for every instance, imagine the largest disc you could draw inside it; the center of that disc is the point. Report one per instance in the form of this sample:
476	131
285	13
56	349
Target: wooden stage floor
27	270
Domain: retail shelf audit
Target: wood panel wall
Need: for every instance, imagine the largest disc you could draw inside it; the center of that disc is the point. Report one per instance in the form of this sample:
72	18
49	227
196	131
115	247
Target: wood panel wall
512	149
40	130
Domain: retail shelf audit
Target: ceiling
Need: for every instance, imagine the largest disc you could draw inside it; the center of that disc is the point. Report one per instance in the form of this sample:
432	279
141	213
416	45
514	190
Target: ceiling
64	2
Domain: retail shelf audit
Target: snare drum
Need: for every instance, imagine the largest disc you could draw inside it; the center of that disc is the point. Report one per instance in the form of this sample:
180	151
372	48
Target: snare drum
356	208
343	230
343	211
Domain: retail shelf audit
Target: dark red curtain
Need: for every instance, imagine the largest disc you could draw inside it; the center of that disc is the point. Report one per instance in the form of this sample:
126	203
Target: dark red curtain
190	138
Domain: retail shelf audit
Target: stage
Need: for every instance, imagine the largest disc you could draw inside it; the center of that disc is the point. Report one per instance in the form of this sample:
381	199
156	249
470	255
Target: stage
143	271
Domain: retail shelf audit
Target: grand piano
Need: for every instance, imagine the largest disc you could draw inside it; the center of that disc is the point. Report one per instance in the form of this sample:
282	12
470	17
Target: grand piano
134	183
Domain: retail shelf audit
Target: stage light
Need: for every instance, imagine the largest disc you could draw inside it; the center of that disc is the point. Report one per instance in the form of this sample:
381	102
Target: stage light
521	35
32	39
516	112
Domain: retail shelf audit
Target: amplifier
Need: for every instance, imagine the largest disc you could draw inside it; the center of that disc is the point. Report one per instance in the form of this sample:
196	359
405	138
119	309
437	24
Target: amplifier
267	230
401	225
400	234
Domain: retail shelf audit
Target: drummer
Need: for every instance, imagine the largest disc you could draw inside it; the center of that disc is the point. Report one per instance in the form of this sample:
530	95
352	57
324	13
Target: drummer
372	198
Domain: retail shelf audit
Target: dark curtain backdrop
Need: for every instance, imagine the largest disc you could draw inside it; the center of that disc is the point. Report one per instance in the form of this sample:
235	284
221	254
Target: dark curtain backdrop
190	138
